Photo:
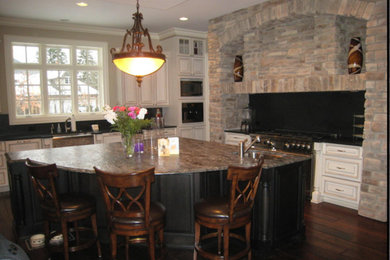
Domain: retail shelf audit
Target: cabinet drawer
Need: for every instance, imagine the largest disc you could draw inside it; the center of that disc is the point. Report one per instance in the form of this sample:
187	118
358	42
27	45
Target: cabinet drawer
340	189
23	145
343	168
2	146
343	150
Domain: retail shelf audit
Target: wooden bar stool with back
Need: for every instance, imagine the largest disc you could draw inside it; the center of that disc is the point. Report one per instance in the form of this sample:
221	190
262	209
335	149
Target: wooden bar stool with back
130	212
228	213
62	209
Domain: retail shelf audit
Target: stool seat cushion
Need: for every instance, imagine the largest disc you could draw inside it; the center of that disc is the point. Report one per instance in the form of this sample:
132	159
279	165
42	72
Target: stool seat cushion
72	202
218	208
157	213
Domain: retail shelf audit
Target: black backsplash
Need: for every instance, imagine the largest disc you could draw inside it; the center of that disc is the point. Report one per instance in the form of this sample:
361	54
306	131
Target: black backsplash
307	112
33	129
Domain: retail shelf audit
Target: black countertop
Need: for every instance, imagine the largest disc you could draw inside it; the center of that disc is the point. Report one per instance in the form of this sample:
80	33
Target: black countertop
32	135
316	138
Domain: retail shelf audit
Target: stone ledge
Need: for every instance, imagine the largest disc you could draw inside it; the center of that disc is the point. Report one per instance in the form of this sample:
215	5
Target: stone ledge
297	84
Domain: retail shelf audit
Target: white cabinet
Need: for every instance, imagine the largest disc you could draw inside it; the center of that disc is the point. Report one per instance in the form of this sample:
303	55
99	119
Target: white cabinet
17	146
3	169
193	132
190	60
107	138
189	46
191	66
23	145
338	174
153	91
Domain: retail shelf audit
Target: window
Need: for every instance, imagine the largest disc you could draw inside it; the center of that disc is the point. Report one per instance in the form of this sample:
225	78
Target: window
50	79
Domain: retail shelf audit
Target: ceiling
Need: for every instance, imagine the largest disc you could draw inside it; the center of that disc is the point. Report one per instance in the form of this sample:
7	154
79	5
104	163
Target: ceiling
159	15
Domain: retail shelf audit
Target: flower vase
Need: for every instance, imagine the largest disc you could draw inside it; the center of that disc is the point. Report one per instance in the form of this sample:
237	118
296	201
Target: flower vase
128	142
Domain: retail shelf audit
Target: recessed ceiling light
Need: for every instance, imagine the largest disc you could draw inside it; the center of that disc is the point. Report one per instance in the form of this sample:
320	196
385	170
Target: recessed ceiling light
183	18
82	4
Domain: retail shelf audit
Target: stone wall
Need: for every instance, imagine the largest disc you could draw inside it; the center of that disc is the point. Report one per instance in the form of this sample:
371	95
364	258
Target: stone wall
302	45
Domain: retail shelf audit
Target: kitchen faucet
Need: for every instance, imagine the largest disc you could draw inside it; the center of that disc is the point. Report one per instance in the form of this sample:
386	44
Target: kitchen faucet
67	128
244	149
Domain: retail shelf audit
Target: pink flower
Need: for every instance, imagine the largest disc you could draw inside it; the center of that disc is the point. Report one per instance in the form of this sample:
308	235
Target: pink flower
115	108
132	114
122	109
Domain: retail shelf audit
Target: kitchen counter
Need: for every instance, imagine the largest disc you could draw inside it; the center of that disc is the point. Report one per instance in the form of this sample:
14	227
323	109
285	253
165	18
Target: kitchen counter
31	135
198	171
195	156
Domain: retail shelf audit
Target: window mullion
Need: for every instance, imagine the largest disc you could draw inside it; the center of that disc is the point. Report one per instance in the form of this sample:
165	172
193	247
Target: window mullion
44	93
75	109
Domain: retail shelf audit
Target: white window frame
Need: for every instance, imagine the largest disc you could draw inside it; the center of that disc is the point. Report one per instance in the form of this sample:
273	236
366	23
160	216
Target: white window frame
49	118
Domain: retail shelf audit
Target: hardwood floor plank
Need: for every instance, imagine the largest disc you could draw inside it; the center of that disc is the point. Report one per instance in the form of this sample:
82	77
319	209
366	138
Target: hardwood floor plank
332	233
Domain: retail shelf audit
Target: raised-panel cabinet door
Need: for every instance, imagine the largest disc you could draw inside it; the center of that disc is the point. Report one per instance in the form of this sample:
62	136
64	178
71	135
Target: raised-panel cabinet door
162	98
197	67
129	89
186	132
185	65
147	92
199	133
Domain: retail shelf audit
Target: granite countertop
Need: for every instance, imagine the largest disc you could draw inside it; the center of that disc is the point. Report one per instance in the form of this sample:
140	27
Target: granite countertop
195	156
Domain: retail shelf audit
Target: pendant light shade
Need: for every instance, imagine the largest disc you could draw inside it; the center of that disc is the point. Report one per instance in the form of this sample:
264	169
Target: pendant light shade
131	59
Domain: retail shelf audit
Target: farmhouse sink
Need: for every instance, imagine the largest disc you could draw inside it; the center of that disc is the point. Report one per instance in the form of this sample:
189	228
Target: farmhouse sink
268	155
71	135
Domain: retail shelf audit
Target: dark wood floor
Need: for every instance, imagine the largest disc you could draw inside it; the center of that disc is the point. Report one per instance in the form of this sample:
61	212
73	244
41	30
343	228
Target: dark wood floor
332	232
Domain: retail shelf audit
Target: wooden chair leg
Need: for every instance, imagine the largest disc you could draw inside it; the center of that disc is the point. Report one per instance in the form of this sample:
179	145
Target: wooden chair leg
76	228
64	228
152	244
127	247
46	227
95	231
113	246
226	235
248	239
219	230
162	244
197	237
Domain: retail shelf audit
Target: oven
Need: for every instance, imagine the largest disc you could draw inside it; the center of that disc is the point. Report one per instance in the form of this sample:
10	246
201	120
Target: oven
192	112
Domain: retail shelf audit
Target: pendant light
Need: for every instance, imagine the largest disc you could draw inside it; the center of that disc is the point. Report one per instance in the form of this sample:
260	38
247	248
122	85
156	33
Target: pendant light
131	59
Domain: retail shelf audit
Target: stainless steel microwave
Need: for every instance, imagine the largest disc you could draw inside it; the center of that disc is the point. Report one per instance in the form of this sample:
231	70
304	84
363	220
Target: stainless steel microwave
191	87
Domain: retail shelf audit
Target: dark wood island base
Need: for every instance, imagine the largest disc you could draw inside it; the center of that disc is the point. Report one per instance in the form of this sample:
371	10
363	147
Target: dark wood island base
199	171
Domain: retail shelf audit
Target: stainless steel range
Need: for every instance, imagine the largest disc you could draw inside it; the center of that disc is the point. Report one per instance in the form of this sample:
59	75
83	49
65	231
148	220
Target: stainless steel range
287	142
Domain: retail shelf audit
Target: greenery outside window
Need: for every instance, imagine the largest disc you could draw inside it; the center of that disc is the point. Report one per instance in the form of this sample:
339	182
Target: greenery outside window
50	79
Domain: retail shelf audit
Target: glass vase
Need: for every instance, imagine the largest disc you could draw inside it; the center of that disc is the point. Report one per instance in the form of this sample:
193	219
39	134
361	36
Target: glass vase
128	142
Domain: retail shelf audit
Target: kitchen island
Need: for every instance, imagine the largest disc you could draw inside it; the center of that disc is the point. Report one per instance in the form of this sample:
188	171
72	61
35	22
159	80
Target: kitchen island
198	171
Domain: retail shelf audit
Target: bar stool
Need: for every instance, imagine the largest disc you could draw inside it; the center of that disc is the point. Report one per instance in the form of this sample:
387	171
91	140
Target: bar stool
63	208
224	214
130	212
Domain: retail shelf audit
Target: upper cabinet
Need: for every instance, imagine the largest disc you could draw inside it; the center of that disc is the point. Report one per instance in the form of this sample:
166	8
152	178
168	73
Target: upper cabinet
190	59
152	93
189	66
191	47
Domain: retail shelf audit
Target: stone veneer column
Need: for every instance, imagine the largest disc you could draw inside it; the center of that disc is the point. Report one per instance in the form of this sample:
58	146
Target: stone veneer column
373	197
